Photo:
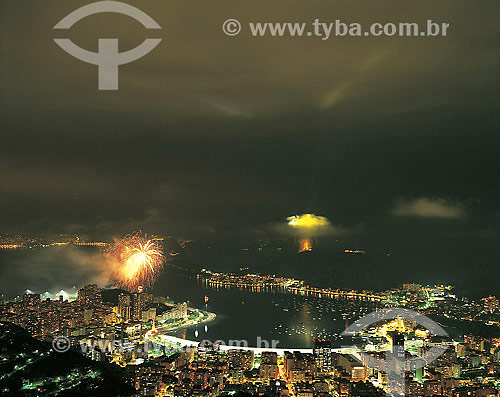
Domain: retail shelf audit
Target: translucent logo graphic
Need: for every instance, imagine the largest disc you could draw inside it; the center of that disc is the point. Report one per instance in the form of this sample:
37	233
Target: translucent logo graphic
108	58
61	344
395	364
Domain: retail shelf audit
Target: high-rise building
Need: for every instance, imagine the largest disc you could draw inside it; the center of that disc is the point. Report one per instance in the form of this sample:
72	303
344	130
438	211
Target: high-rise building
31	300
178	312
398	343
241	359
90	295
322	350
138	304
288	362
208	352
182	309
461	350
395	364
295	366
149	315
124	307
269	365
309	366
49	322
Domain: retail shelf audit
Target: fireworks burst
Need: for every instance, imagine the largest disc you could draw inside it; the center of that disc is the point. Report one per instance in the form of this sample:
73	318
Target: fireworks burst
136	261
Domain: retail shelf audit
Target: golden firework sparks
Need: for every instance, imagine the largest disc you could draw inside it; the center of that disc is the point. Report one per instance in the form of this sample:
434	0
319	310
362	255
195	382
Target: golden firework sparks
136	261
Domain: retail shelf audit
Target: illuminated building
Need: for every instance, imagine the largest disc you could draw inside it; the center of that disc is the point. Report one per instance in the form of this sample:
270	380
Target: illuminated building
50	322
354	252
358	374
208	352
461	350
149	315
90	244
178	312
288	362
298	366
398	343
10	246
31	300
304	389
148	380
138	304
432	387
200	378
491	304
124	307
89	295
87	316
309	366
134	331
454	370
321	387
322	350
398	356
269	365
241	359
110	317
414	389
411	287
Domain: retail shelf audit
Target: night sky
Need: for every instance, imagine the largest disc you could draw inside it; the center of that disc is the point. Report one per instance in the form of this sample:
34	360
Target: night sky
394	140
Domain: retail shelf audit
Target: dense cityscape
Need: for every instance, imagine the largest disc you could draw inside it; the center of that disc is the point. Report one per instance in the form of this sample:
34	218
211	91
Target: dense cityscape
129	331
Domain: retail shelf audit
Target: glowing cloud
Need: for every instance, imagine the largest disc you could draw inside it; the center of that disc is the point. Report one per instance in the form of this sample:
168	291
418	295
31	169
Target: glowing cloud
306	227
308	221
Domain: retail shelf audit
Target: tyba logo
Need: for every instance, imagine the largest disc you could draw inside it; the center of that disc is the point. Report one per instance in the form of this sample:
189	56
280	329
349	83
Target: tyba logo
108	58
395	364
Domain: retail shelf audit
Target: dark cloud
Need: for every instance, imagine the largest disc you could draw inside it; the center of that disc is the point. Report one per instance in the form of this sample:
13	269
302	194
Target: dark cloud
214	135
428	208
51	269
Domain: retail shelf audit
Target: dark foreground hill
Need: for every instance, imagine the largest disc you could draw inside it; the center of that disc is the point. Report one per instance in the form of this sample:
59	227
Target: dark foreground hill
32	368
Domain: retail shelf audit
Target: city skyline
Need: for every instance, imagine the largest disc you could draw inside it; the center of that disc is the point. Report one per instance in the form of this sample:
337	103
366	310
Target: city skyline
133	330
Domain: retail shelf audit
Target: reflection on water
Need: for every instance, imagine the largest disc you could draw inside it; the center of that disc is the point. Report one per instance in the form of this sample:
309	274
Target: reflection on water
271	314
